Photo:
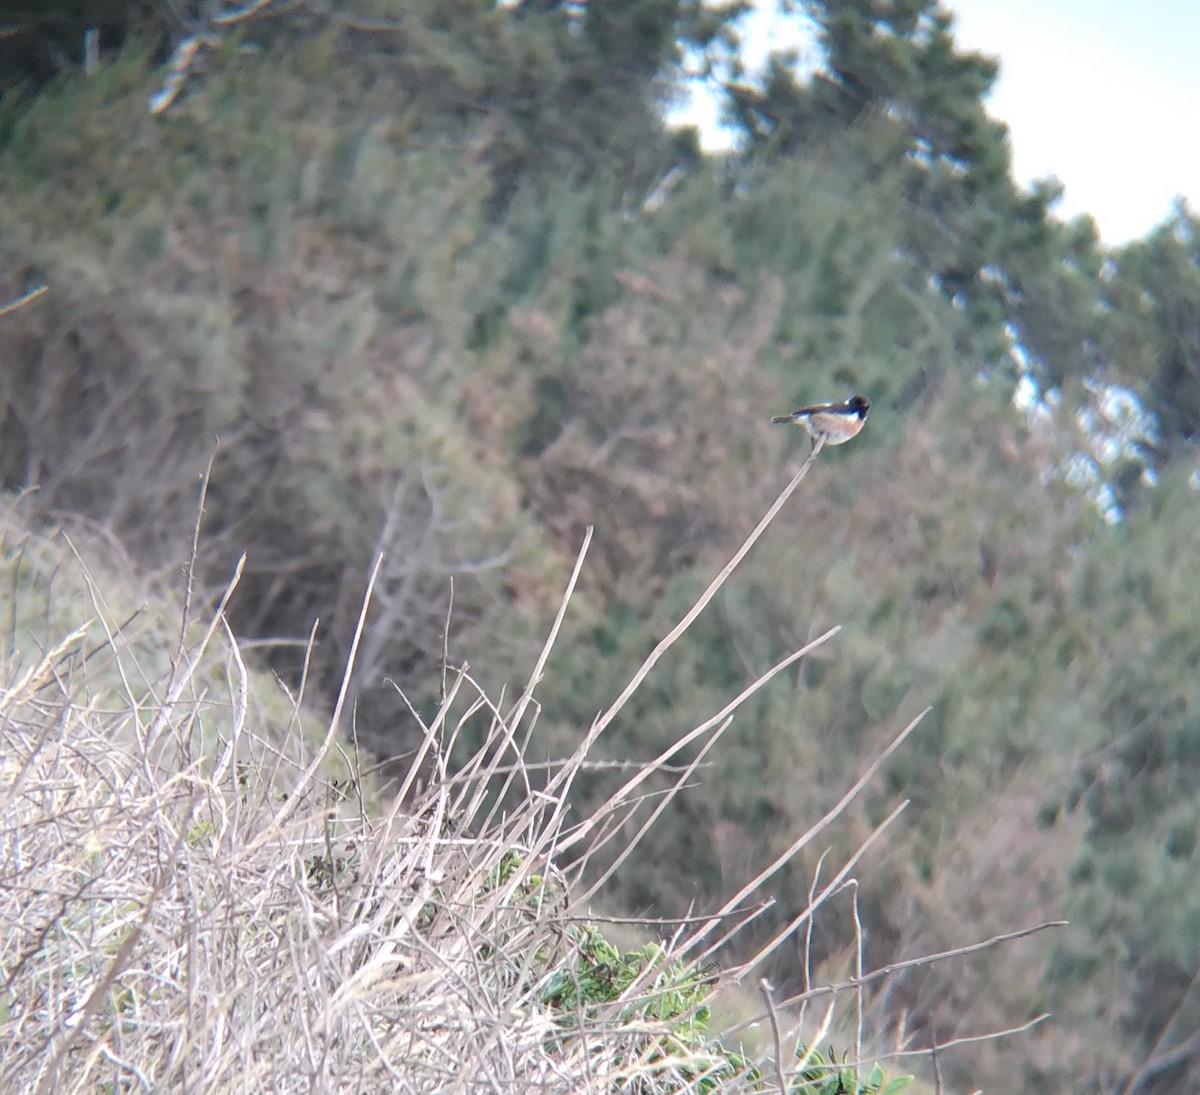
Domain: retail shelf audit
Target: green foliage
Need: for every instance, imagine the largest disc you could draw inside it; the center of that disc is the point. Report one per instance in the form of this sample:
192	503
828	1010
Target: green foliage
655	990
424	304
174	301
1152	290
914	103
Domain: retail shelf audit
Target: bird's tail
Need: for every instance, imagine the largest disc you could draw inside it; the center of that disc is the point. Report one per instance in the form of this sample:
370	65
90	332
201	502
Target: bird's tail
781	418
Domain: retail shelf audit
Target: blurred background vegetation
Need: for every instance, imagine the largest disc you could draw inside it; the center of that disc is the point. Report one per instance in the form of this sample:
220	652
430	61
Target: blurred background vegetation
415	274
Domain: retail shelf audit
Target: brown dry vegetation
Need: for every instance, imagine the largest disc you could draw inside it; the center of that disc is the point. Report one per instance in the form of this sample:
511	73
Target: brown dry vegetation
404	336
194	894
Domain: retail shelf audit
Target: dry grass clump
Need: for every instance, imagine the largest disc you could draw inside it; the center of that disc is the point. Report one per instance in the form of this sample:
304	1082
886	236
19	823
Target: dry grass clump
189	899
194	897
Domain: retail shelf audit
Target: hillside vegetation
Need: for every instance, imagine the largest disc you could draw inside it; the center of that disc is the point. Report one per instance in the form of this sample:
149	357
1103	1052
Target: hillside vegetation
411	277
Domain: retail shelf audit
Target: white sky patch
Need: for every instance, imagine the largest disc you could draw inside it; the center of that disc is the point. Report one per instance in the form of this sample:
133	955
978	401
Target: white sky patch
1103	94
764	32
770	31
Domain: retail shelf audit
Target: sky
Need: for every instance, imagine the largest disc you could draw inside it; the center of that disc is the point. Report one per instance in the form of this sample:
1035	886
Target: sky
1103	94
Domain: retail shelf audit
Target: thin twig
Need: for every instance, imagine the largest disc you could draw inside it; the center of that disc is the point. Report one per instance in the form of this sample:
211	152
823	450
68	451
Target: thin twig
295	795
701	603
825	821
971	1039
924	960
446	643
764	987
21	301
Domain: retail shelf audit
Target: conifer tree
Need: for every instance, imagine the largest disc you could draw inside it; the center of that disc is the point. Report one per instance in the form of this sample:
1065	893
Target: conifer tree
893	68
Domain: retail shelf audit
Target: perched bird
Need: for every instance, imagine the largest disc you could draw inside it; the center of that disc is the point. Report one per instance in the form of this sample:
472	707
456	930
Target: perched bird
833	423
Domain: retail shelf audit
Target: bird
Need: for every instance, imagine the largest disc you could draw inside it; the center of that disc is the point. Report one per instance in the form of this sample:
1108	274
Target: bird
832	423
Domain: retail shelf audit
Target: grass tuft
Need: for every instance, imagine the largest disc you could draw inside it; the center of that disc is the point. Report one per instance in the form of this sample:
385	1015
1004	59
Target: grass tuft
196	895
